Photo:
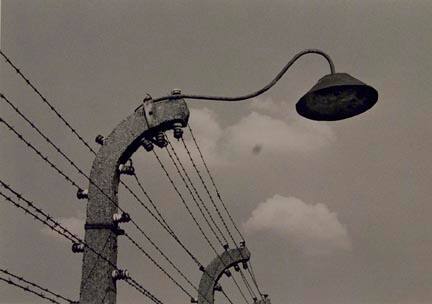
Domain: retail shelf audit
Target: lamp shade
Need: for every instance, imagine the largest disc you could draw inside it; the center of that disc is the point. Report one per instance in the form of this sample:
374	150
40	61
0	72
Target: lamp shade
335	97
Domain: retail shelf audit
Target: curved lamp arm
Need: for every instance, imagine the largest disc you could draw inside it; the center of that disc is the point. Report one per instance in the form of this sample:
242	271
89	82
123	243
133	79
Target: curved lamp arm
259	92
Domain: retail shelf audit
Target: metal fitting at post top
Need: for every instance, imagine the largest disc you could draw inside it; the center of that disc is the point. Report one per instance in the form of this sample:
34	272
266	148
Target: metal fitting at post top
126	169
175	92
160	140
147	144
82	194
100	139
177	130
122	217
77	247
119	274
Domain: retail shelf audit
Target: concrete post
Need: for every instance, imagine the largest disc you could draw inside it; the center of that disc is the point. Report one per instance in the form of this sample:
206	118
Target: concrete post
97	284
213	272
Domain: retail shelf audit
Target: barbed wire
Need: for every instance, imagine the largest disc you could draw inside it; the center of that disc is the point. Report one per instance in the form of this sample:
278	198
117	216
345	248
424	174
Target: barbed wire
81	139
74	131
196	193
214	205
47	221
20	278
87	177
186	184
254	280
142	290
39	153
248	287
184	202
162	218
30	84
28	289
73	183
140	248
207	190
69	235
167	228
226	296
221	201
213	182
194	219
193	198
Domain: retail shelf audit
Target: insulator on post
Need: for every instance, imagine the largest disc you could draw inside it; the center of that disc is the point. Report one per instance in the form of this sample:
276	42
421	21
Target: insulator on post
77	247
100	139
126	169
160	140
119	231
177	130
82	194
227	273
245	265
119	274
175	92
225	247
147	144
242	244
121	217
237	267
218	287
193	300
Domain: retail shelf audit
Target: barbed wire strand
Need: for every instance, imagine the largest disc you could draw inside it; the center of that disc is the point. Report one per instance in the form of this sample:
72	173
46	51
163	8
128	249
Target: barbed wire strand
162	218
251	292
194	219
70	236
158	265
81	139
47	221
28	289
221	201
60	116
214	204
226	296
182	176
248	287
87	177
20	278
73	183
196	191
213	182
142	290
74	131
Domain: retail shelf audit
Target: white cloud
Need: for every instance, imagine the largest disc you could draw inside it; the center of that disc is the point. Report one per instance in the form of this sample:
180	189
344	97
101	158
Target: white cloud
313	229
276	136
258	133
73	224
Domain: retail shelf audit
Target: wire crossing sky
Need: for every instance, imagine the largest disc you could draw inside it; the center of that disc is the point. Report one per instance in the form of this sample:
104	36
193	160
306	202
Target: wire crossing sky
164	225
331	212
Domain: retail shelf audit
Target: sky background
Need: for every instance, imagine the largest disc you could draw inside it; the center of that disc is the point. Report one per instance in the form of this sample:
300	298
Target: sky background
332	212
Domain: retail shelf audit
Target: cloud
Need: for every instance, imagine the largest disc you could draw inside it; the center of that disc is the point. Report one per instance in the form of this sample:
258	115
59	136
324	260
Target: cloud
258	134
313	229
73	224
275	136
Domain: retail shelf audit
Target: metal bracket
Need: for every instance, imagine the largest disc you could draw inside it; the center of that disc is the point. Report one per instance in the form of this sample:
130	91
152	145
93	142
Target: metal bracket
113	227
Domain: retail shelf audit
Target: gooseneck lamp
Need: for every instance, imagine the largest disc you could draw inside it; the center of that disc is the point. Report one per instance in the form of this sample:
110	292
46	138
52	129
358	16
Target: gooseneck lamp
336	96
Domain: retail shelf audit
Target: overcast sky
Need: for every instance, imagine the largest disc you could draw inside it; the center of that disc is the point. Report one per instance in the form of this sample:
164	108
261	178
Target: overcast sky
332	212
